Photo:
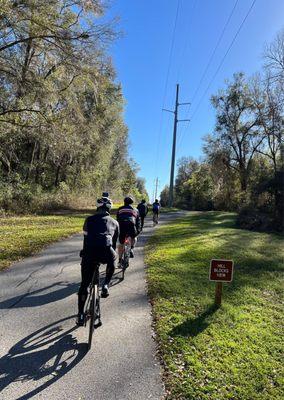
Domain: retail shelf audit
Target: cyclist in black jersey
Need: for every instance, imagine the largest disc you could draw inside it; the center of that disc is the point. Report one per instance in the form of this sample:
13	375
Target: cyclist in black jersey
101	232
143	211
129	225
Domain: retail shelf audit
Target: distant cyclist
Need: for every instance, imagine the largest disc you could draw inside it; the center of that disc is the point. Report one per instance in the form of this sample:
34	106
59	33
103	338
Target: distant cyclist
129	225
143	211
101	232
156	210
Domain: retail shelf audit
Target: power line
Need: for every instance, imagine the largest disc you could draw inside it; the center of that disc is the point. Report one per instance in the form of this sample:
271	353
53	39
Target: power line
210	61
222	61
187	42
214	51
166	83
171	52
167	79
176	120
224	57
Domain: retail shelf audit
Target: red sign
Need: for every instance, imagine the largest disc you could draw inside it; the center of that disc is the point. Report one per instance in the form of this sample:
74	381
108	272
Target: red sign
221	270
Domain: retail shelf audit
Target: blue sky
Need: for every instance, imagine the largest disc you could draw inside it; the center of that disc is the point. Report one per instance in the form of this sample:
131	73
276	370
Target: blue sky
142	60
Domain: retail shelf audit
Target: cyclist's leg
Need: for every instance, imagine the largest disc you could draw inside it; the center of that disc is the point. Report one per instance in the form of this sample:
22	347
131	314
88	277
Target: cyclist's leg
122	236
155	217
110	261
120	250
87	269
133	234
133	242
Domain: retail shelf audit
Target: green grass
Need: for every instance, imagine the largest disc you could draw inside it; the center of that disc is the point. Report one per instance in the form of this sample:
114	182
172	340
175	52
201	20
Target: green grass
233	352
169	209
22	236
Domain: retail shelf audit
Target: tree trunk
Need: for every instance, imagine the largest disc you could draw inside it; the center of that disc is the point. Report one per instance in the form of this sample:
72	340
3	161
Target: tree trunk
38	168
56	182
31	162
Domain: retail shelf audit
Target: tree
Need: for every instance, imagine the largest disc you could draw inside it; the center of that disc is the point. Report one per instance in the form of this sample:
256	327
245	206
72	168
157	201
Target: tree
274	59
273	118
141	187
164	196
61	109
202	187
236	128
186	167
225	179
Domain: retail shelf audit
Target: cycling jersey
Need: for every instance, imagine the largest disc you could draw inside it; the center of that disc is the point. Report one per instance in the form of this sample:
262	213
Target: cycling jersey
143	209
156	207
100	237
129	222
100	230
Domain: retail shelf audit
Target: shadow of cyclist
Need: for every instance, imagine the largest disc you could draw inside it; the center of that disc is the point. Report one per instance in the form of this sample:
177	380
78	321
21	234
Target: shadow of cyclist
39	298
48	353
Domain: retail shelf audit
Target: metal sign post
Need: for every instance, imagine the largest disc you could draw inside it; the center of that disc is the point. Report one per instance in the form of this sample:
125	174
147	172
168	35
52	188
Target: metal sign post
220	271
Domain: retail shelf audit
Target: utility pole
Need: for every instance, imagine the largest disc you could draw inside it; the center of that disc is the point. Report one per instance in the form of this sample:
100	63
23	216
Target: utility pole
156	187
176	120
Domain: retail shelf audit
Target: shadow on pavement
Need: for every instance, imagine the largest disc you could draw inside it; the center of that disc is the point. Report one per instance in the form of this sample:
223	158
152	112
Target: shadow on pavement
115	280
35	298
47	354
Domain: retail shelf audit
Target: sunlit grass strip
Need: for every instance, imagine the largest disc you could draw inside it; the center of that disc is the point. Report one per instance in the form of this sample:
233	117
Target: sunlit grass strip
231	353
25	235
22	236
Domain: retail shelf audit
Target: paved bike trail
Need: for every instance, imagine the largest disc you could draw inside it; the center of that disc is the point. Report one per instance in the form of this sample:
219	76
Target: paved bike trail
43	355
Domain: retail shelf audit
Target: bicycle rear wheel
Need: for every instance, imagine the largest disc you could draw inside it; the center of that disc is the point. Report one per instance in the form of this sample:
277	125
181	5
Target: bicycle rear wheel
92	311
124	266
155	219
125	259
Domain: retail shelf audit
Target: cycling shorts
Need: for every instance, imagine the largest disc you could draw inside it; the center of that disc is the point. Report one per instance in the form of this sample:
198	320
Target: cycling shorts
126	228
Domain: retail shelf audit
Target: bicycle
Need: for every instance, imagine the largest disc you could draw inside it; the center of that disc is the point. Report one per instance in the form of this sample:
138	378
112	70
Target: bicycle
125	255
92	307
155	219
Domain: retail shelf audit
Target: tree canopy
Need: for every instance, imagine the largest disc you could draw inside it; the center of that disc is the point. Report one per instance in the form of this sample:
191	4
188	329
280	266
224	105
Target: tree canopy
61	107
243	163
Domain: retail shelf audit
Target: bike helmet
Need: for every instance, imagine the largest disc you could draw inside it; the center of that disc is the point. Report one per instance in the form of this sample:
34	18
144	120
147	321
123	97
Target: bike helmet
128	200
143	201
104	202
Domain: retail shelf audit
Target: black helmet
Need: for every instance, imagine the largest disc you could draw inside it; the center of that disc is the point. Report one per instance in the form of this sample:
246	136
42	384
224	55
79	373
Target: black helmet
128	200
143	201
104	202
156	201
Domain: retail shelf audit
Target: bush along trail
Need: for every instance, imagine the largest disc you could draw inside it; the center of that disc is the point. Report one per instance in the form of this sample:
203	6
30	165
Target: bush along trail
233	352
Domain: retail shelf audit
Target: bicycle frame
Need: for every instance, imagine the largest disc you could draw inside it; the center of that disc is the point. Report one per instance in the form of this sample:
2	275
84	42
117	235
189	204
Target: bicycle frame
155	219
125	255
92	307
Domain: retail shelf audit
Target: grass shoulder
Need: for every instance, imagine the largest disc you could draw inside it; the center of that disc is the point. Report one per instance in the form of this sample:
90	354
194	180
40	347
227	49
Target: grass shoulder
24	235
233	352
165	210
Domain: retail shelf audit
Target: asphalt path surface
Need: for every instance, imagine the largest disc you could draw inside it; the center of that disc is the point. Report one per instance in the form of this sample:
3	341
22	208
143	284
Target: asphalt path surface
42	353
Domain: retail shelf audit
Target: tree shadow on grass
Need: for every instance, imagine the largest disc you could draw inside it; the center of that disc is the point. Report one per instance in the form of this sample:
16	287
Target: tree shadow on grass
44	356
193	326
